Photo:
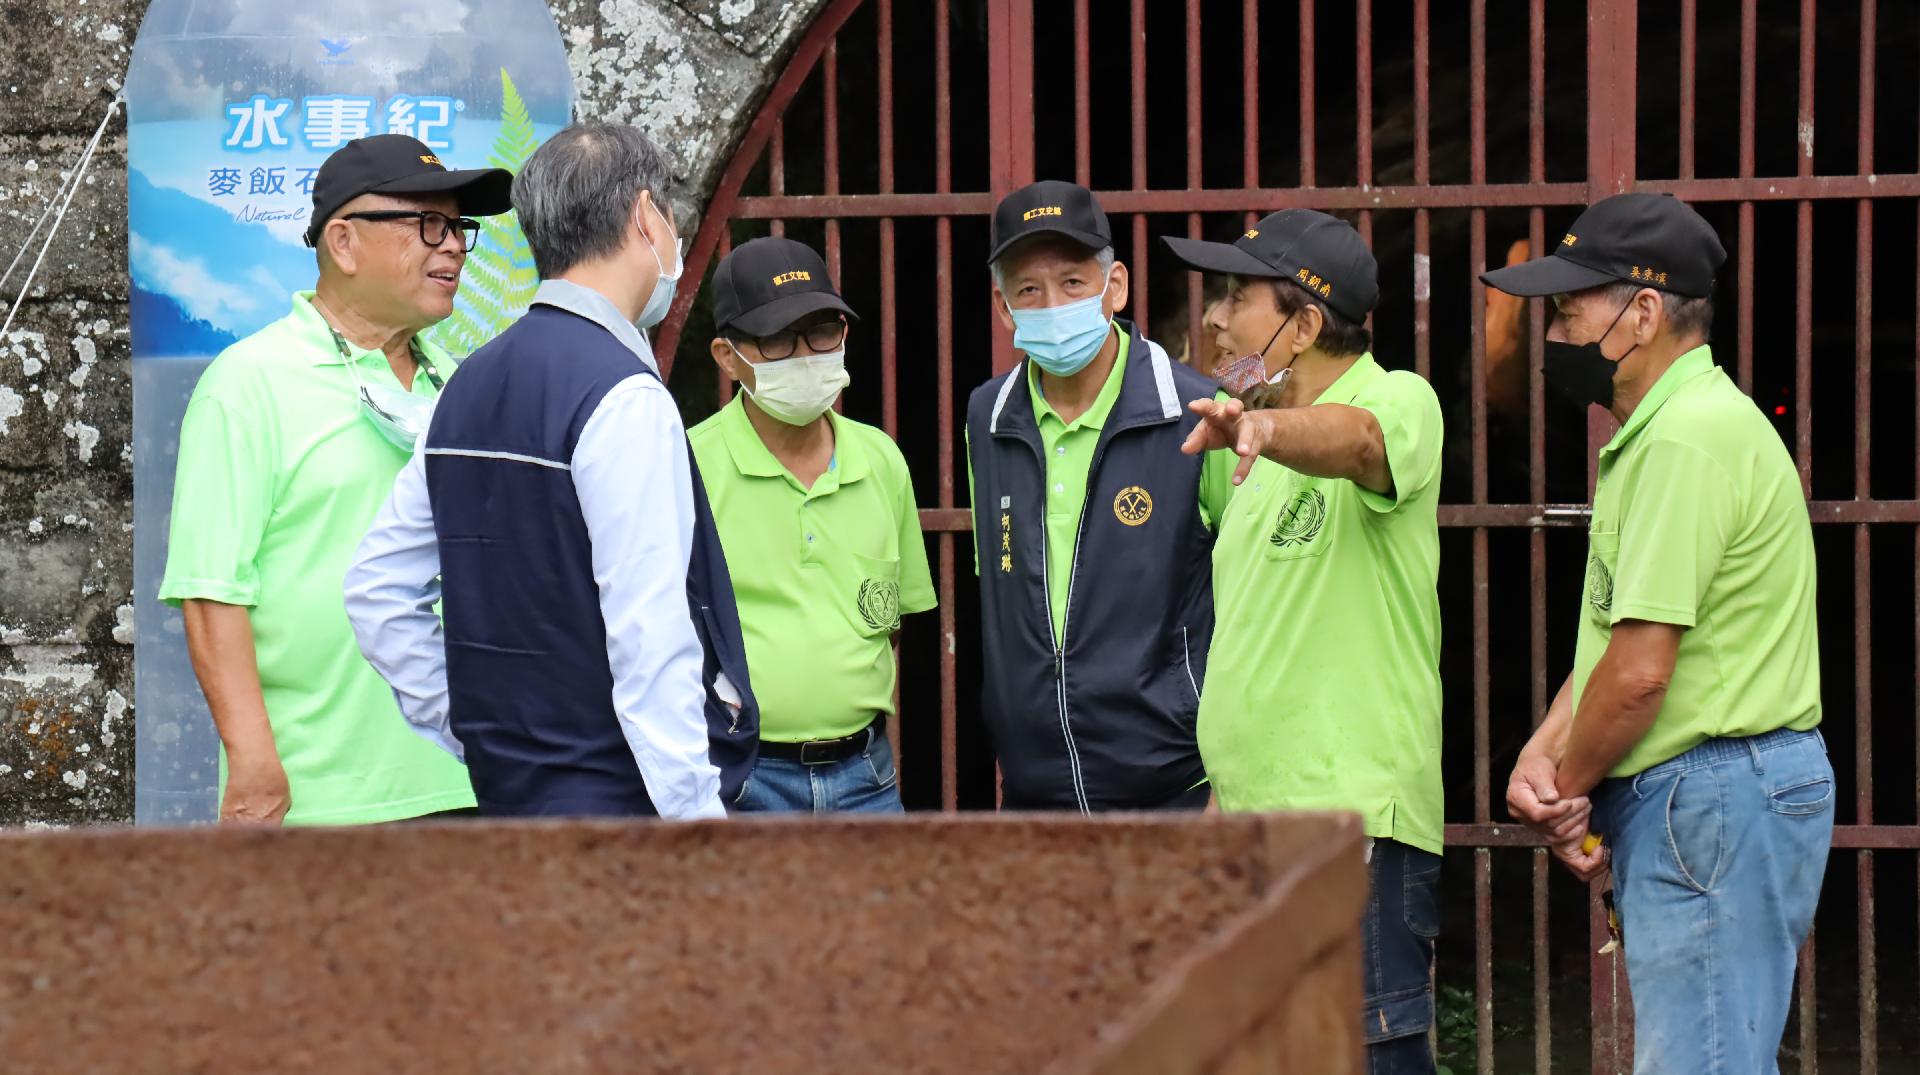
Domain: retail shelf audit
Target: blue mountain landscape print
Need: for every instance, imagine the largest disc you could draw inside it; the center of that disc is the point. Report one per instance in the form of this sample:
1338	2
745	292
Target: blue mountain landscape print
168	331
200	276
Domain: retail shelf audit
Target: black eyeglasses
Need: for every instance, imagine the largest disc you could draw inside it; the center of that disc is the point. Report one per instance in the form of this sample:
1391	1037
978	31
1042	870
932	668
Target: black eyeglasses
434	227
825	336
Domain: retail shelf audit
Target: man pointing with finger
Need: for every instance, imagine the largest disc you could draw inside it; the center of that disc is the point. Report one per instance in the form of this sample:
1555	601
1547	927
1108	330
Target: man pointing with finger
1324	688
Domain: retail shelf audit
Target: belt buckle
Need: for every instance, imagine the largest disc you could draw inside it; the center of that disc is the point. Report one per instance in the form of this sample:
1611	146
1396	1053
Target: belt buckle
818	752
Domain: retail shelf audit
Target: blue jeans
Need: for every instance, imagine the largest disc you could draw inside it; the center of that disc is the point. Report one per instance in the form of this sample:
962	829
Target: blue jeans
862	784
1402	919
1718	856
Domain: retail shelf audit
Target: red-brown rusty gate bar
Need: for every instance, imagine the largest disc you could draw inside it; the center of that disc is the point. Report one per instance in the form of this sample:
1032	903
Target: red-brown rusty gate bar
1614	74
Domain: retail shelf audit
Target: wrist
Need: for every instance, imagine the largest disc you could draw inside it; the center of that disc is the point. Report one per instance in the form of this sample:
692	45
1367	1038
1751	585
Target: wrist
251	748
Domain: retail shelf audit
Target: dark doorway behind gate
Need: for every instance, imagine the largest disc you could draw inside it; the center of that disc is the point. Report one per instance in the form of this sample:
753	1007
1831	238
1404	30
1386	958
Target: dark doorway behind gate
1456	135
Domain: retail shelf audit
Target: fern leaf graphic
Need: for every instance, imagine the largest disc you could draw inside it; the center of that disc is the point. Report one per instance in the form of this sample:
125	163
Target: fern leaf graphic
499	280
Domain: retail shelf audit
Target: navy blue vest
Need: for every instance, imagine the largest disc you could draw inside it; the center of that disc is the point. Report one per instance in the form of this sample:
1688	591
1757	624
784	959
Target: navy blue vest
531	690
1106	721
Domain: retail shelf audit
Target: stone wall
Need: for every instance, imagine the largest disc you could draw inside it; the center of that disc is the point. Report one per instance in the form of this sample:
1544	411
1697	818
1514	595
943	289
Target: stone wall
690	71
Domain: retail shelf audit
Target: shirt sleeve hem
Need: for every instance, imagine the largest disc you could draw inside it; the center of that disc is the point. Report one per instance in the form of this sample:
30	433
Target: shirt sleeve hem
1383	503
1667	614
174	591
1379	503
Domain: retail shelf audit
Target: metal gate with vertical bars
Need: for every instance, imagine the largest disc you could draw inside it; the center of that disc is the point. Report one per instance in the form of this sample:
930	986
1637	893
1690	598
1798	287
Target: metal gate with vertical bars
1509	515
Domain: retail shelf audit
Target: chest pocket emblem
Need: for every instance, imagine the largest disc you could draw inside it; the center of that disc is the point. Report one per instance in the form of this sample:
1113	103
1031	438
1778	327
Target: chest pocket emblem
880	604
1599	586
1132	505
1301	520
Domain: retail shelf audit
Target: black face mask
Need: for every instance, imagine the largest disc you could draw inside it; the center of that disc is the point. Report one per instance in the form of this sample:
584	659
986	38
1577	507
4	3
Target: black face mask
1580	371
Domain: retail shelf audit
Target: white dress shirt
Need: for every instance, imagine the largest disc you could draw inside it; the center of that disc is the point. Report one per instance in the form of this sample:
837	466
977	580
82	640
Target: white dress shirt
630	471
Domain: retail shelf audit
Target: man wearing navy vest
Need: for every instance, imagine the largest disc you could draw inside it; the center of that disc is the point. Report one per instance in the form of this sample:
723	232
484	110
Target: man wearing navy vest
1093	532
591	661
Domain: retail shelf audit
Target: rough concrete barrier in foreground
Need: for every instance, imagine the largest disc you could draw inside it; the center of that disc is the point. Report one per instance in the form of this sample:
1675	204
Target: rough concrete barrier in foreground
1016	944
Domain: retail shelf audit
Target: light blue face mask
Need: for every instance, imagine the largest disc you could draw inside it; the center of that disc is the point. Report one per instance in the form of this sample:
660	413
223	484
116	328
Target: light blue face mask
1063	339
399	415
661	300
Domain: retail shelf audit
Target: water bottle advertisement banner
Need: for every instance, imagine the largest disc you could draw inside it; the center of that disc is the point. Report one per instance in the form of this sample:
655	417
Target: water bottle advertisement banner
232	107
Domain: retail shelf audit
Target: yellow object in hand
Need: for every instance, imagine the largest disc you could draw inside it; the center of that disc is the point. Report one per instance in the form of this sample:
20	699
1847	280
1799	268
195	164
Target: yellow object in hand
1587	845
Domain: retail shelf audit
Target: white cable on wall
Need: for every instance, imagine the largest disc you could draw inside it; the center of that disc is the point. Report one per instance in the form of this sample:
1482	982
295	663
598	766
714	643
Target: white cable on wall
63	197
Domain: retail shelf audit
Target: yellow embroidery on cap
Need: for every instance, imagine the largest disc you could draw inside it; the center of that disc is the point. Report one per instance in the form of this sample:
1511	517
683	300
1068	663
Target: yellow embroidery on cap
1569	239
1045	210
1251	232
790	277
431	160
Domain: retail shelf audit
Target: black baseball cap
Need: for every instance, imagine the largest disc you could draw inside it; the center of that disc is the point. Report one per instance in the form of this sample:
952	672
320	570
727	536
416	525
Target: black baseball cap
1319	252
397	164
1049	207
1655	240
766	284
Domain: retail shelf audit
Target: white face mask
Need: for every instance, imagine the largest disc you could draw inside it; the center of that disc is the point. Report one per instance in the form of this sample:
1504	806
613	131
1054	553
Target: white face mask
797	390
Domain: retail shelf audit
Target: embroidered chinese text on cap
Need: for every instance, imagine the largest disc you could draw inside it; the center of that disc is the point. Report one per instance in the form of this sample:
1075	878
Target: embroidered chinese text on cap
1655	240
767	284
1319	252
398	164
1049	207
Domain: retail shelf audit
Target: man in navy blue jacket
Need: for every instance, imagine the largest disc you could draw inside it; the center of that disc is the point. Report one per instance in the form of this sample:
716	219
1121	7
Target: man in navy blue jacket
591	661
1094	533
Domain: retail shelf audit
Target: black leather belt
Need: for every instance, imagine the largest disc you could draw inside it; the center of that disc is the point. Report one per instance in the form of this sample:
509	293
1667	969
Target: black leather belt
826	751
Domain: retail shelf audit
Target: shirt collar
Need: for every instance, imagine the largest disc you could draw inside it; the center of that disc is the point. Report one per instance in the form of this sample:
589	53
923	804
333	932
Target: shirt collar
1684	369
1097	414
753	458
325	352
597	308
1348	385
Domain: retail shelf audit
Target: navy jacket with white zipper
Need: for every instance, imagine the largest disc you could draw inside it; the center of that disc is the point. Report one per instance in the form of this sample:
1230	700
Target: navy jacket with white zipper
1103	717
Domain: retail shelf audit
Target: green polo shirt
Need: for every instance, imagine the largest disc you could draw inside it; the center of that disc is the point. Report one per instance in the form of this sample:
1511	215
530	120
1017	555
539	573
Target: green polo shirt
821	575
1323	681
1069	448
279	478
1699	521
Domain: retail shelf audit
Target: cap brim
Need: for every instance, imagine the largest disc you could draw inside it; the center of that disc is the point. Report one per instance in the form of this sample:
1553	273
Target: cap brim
1551	275
1084	238
1219	257
481	191
782	312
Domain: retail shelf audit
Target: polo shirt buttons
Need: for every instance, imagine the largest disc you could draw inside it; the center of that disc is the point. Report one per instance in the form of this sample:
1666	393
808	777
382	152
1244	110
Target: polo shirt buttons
1060	449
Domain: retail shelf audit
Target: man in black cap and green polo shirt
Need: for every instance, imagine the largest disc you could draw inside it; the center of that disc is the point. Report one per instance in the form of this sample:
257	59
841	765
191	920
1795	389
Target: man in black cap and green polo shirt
822	536
1686	738
289	447
1325	684
1091	531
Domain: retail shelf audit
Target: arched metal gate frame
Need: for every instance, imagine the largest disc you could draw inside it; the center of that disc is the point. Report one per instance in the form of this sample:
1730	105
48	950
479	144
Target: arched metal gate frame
1612	76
